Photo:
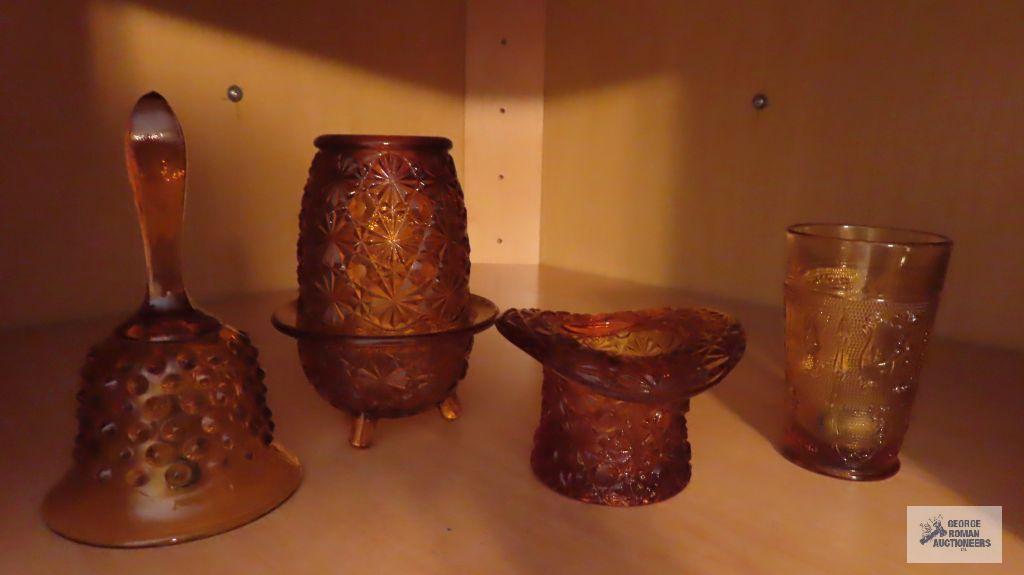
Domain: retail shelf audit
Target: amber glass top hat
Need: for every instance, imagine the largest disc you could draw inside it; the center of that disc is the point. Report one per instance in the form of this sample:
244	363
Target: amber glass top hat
616	390
382	244
646	356
175	440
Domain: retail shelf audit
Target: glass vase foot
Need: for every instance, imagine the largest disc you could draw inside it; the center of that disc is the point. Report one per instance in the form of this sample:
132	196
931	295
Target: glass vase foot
450	408
362	430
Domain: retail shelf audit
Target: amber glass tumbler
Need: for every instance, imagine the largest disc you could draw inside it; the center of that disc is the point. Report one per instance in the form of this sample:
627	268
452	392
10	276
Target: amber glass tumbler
860	304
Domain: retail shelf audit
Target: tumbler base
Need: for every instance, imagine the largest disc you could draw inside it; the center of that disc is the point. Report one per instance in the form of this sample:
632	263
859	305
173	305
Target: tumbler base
800	458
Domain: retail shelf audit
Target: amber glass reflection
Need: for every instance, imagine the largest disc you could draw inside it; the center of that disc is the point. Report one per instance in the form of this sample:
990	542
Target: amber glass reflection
175	440
860	304
616	390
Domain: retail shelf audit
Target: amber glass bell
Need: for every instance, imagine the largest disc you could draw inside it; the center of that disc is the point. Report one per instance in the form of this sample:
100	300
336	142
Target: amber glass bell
616	390
175	440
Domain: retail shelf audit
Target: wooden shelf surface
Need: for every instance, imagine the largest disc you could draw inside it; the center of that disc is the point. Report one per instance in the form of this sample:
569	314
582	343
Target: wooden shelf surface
438	497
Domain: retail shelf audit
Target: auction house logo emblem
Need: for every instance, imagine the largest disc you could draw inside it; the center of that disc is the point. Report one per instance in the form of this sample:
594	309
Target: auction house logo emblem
963	534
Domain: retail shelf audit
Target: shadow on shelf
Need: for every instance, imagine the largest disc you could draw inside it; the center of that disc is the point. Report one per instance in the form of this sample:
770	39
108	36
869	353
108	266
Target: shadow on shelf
404	39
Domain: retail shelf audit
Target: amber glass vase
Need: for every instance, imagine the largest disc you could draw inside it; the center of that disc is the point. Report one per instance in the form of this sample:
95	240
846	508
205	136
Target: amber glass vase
616	391
382	237
384	317
175	440
860	304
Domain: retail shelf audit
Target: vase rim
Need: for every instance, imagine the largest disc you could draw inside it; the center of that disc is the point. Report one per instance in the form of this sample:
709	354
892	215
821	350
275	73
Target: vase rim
880	235
331	141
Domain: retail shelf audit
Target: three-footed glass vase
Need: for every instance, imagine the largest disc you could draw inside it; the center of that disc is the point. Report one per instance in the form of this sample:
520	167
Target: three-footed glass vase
616	390
384	318
373	378
175	440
